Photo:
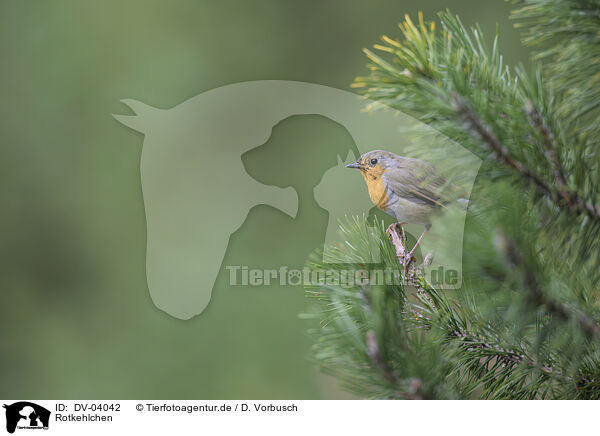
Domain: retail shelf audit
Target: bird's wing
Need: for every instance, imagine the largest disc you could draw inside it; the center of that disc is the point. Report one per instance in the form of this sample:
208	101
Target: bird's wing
419	183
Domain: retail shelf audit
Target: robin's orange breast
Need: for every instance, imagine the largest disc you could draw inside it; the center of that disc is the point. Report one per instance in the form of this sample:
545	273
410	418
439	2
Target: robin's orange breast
377	189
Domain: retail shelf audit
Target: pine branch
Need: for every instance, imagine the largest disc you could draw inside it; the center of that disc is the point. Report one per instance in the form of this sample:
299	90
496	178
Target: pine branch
514	114
368	338
561	197
478	350
502	154
526	323
565	34
540	298
550	150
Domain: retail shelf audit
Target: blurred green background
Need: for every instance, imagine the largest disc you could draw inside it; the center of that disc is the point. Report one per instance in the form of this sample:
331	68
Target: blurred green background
76	317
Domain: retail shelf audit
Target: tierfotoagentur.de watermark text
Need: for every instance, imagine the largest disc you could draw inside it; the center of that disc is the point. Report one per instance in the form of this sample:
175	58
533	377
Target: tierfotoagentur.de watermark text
240	275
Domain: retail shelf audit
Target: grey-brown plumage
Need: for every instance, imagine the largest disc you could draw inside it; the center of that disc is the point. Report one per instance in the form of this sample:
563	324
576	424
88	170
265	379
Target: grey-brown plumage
411	190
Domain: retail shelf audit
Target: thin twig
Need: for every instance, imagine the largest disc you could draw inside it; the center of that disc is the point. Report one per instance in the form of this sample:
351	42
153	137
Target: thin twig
377	359
550	152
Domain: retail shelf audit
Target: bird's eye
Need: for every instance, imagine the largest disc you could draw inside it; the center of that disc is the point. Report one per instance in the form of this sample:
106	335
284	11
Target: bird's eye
373	162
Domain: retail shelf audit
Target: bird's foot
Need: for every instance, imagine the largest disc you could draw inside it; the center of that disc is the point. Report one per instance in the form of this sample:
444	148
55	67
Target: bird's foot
427	227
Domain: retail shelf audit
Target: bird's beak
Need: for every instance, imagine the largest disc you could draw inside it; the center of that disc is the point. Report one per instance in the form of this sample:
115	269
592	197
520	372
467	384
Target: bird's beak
354	165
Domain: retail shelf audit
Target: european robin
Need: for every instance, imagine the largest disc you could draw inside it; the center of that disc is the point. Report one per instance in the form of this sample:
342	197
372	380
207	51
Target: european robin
410	190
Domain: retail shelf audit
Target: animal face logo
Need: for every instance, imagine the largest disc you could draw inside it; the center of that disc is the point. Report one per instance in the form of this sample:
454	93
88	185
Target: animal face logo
27	415
197	192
